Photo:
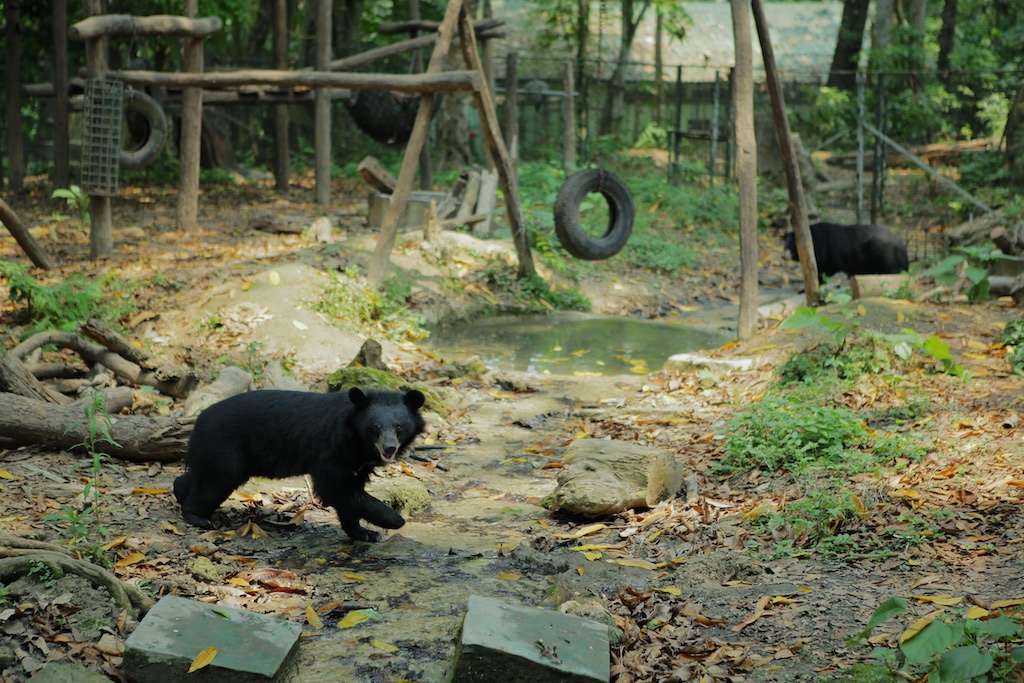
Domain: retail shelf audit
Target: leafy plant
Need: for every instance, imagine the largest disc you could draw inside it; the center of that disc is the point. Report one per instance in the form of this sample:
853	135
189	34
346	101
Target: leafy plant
78	525
849	358
77	200
903	345
967	270
61	305
347	300
1012	337
977	645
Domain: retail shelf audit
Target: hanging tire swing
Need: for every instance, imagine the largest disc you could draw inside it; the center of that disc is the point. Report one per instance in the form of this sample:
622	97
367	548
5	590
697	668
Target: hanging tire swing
570	231
149	114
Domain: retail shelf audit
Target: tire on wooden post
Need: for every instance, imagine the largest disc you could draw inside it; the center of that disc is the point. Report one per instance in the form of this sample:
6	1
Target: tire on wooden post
145	106
570	232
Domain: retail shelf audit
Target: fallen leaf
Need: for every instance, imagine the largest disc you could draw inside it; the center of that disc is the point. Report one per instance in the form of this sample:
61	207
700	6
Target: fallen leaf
312	618
134	558
357	617
759	611
274	277
203	659
381	645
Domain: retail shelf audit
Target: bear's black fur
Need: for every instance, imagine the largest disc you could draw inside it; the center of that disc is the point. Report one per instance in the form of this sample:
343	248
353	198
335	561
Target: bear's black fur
335	438
853	249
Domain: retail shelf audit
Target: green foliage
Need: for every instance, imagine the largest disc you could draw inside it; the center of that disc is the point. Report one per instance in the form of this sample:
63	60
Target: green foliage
1013	337
967	269
78	525
903	345
953	648
532	294
348	301
61	305
778	433
77	200
849	358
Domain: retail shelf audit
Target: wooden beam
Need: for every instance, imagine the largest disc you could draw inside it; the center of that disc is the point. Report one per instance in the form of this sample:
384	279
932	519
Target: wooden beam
189	149
127	25
496	146
391	27
396	207
452	81
794	183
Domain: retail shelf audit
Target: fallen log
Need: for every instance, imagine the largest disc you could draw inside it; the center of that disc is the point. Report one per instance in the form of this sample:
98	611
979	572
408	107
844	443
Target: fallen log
232	380
24	422
24	238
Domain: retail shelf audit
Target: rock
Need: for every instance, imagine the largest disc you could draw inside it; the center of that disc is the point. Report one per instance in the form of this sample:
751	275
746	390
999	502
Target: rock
601	477
54	672
691	361
505	642
595	612
203	569
249	647
403	494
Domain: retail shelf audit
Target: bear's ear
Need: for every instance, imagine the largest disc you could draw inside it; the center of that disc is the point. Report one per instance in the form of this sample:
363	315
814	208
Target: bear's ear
358	398
414	399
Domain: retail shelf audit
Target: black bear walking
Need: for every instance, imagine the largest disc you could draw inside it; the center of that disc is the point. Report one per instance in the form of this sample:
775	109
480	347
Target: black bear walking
853	249
335	438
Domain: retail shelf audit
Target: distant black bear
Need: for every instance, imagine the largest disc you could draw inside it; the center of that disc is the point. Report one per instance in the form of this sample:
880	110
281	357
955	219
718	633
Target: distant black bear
336	438
853	249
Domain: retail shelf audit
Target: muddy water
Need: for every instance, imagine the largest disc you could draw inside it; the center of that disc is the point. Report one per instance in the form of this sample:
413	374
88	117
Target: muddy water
419	580
571	343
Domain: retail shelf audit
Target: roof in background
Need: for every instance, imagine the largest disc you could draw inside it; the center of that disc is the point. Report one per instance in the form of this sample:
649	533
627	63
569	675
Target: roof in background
803	38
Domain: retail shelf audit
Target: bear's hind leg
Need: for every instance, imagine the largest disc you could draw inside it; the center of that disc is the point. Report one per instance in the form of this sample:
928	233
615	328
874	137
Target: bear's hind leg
199	495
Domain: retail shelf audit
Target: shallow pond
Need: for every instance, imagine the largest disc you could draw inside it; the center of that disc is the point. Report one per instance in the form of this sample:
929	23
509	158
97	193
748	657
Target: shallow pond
571	343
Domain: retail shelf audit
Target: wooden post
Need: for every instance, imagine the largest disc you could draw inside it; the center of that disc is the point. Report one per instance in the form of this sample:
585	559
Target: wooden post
512	105
746	166
396	207
101	235
797	204
568	119
61	103
282	157
487	67
496	147
191	130
12	86
426	168
322	105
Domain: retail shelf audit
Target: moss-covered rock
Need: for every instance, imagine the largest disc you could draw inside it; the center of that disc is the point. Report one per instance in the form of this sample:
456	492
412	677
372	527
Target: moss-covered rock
369	378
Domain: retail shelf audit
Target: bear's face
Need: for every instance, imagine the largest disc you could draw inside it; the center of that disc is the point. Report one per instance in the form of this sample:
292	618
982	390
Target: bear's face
386	423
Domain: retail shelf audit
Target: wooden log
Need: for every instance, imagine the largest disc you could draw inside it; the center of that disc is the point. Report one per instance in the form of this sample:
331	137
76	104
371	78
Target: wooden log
24	238
176	382
24	422
451	81
496	146
322	107
470	196
389	28
376	176
127	25
96	330
15	378
232	380
376	54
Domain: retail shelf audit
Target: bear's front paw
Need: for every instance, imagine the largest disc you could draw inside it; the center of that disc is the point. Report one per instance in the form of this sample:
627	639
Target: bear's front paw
196	520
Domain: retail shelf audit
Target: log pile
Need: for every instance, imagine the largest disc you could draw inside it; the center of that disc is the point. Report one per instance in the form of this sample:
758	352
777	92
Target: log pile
47	402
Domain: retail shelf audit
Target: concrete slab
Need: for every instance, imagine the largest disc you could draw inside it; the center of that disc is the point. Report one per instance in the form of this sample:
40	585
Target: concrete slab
54	672
507	643
250	647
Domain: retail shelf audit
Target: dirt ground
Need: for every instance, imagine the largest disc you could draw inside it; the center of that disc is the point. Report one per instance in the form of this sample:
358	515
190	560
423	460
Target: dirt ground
681	580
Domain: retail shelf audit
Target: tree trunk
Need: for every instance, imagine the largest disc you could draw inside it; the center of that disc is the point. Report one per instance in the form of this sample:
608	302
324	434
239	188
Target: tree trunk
453	149
615	104
1015	135
843	74
881	30
947	38
12	87
746	165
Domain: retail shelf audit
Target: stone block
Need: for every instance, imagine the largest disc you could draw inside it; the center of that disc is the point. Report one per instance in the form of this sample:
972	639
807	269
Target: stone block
54	672
506	643
415	209
250	647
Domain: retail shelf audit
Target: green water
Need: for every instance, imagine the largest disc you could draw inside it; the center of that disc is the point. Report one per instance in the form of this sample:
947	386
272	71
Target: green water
571	343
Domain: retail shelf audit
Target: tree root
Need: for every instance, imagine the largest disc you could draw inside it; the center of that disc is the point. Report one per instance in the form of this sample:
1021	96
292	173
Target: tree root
19	557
